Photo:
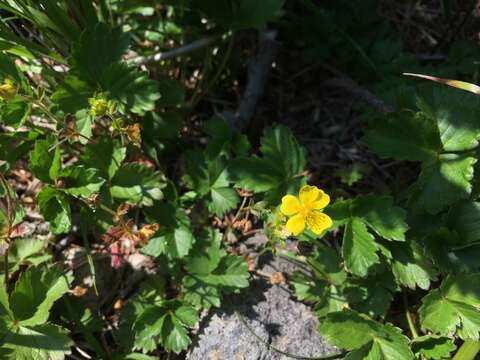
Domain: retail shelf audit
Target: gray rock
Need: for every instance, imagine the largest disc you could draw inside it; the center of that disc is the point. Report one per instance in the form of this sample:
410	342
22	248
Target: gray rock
272	313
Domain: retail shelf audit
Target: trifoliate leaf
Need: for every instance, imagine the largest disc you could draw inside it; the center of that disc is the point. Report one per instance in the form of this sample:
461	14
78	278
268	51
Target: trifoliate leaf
359	249
80	181
44	342
443	182
209	177
454	307
15	112
204	290
137	184
410	266
45	160
364	337
405	135
165	323
224	138
455	112
352	174
55	208
35	293
433	347
130	88
278	171
97	49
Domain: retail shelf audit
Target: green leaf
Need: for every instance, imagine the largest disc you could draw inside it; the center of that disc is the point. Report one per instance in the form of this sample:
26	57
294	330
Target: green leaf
464	218
165	323
443	182
453	308
365	338
15	112
45	342
45	162
209	177
379	213
204	290
455	113
175	243
278	172
72	95
410	266
131	88
98	48
433	347
172	92
137	184
55	209
84	123
106	156
26	252
81	182
206	254
35	293
404	135
358	249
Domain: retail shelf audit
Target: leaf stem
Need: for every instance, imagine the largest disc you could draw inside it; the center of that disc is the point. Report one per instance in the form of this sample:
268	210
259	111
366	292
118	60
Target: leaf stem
408	315
468	350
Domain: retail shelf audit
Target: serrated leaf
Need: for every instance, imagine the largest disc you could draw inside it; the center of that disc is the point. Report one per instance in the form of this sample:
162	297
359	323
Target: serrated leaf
175	243
278	171
106	156
80	181
358	248
35	293
55	208
206	254
455	113
15	112
45	161
365	338
443	182
453	307
411	267
379	213
433	347
223	199
405	135
72	95
45	342
137	184
98	48
464	218
131	88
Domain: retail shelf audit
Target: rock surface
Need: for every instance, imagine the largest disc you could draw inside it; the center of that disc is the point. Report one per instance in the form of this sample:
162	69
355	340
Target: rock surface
271	312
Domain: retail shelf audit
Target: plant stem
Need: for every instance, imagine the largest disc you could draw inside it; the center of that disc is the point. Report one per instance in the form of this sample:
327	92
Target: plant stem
468	350
408	315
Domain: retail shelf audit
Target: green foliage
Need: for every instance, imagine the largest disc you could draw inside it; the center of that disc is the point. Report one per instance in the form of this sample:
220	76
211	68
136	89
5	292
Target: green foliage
278	171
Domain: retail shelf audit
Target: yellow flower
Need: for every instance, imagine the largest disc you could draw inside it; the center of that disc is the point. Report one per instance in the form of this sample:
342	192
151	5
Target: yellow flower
305	210
8	90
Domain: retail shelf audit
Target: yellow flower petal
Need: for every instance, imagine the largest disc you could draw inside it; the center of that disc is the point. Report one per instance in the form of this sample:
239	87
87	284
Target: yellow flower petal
290	205
318	222
308	194
296	224
322	201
